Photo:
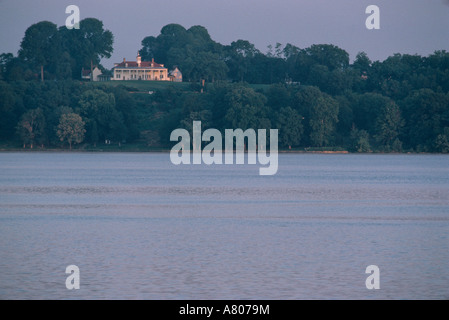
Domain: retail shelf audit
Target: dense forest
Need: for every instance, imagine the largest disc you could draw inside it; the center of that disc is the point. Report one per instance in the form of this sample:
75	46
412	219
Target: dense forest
315	96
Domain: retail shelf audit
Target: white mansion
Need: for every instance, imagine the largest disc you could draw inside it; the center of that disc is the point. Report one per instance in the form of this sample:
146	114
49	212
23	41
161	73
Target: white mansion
144	70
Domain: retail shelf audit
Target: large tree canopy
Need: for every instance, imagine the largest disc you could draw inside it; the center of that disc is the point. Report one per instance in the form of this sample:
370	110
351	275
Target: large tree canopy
192	50
59	53
88	44
40	44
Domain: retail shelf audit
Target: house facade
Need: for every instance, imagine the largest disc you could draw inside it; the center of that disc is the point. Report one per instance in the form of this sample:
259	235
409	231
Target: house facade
140	70
175	75
86	74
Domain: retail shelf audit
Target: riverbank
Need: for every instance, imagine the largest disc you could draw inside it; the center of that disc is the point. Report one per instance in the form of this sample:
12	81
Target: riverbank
102	148
144	148
140	147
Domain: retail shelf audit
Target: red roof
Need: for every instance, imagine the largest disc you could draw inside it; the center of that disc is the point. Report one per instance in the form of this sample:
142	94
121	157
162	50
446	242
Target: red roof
143	64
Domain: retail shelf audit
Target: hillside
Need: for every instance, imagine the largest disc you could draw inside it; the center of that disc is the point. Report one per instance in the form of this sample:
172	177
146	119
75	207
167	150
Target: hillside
145	86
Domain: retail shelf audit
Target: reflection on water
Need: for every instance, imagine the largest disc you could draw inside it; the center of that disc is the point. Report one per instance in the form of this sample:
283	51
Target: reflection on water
139	227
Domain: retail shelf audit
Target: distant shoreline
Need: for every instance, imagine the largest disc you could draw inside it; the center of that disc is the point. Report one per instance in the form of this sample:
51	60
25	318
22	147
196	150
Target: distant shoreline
162	150
145	150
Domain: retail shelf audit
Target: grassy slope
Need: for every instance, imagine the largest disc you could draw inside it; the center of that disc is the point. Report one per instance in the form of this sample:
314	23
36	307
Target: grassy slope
145	86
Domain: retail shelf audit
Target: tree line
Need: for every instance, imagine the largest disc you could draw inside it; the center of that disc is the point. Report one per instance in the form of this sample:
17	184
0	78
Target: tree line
49	52
65	113
307	117
62	113
315	96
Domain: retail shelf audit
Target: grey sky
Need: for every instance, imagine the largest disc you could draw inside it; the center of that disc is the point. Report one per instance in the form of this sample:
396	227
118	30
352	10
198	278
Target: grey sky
407	26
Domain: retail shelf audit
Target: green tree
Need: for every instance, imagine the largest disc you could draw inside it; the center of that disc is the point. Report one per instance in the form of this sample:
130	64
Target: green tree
246	109
436	70
362	62
238	58
366	109
203	116
5	59
319	76
328	56
207	66
71	129
8	111
302	101
243	116
360	140
289	123
323	120
87	45
442	141
63	69
171	35
127	105
16	69
345	115
192	50
31	128
99	107
278	96
426	114
290	51
388	126
38	45
52	117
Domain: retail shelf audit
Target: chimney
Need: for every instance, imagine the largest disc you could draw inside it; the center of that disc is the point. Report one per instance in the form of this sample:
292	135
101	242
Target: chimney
138	59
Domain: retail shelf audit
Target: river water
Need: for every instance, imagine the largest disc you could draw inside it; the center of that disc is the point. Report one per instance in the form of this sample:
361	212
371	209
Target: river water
139	227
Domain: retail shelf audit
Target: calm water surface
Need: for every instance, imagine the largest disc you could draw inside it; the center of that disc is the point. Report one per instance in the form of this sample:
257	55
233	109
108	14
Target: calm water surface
139	227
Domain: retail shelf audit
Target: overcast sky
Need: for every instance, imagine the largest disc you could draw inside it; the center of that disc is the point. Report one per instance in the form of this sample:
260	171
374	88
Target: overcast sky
407	26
